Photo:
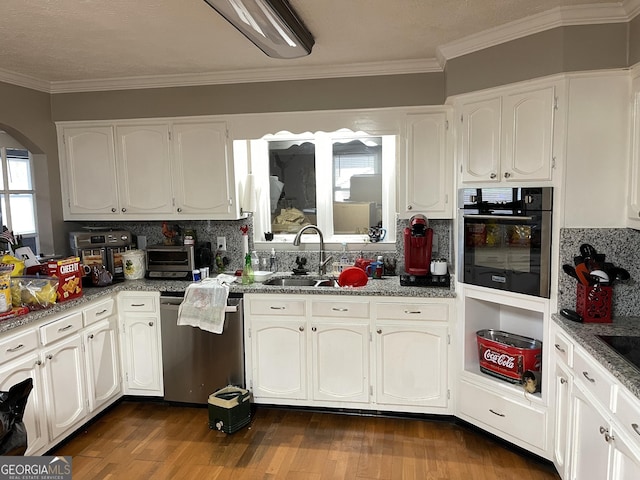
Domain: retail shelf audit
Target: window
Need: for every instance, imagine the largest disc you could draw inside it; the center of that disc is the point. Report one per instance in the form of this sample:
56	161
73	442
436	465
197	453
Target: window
17	195
341	181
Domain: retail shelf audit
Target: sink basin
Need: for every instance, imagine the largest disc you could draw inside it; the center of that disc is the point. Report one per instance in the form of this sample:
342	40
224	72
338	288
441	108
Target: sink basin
301	282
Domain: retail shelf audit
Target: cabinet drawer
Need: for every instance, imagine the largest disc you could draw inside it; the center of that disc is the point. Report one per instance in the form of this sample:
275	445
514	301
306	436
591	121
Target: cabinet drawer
277	307
595	380
138	303
563	348
60	328
413	311
14	346
628	413
98	311
508	416
328	308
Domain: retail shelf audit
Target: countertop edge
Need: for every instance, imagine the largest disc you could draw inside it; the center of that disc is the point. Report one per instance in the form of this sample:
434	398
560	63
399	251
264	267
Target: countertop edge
584	334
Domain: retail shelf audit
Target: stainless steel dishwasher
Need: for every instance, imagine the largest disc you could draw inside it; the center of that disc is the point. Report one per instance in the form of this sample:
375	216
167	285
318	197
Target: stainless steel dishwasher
196	363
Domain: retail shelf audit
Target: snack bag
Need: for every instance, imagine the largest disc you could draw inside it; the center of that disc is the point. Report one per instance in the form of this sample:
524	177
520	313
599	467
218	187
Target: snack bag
5	287
18	265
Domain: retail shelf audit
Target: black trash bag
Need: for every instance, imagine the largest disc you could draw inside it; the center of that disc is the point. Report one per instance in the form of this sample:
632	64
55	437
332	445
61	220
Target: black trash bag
13	433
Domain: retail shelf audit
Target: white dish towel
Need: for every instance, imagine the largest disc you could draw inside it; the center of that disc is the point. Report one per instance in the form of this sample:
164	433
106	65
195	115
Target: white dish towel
204	305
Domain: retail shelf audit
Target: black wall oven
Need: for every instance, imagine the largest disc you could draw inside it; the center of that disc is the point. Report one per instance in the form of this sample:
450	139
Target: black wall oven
507	238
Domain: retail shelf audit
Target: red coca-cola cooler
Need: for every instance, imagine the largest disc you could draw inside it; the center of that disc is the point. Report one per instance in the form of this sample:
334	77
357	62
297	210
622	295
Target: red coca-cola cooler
508	356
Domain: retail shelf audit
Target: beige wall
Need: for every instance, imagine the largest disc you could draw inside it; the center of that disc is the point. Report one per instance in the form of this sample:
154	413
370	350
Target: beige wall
634	41
565	49
26	116
301	95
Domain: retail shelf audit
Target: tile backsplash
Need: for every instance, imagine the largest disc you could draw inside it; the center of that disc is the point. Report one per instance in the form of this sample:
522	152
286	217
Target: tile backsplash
209	230
621	247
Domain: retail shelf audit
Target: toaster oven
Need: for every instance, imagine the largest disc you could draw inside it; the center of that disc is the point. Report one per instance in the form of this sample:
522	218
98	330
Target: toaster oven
170	262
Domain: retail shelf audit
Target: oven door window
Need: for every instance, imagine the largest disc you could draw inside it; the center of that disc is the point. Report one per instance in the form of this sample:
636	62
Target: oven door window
503	253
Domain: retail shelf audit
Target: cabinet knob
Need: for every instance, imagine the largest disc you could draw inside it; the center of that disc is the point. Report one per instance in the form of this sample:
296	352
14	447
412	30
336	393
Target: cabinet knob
563	380
559	348
124	210
409	207
179	210
507	174
301	328
49	357
314	329
90	337
151	324
114	209
38	362
603	430
586	375
492	176
379	331
635	428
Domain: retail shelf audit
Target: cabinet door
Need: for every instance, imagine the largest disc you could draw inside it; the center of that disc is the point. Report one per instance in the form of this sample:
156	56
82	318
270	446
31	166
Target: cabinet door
142	363
279	358
480	140
527	138
590	450
144	169
562	405
102	361
201	168
625	457
64	381
411	364
28	366
340	361
633	208
426	186
88	171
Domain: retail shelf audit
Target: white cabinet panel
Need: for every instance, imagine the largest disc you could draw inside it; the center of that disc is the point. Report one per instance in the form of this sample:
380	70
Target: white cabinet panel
102	362
480	140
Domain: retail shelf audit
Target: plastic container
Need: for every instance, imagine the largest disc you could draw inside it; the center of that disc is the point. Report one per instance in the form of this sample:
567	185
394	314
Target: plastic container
507	356
229	409
134	264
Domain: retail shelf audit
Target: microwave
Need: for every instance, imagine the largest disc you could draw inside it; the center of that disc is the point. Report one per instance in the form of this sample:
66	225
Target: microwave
506	238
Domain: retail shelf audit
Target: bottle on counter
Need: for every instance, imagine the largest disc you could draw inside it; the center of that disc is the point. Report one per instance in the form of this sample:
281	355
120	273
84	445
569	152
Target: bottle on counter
247	271
273	261
255	261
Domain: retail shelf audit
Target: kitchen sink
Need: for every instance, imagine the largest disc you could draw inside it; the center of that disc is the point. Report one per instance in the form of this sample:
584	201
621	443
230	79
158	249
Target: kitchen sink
301	282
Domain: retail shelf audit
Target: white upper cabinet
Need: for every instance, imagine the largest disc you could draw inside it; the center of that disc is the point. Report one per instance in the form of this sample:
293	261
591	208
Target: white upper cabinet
633	203
145	170
89	184
426	182
507	136
202	171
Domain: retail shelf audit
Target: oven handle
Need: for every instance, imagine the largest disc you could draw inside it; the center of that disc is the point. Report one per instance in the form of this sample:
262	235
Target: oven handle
500	217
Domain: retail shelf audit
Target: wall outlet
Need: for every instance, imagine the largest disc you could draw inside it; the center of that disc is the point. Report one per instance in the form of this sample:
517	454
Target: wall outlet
221	244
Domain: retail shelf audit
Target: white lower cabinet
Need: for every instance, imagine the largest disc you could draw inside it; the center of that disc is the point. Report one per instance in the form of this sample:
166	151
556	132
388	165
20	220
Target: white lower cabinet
29	366
141	350
324	351
340	361
102	363
601	419
279	352
64	385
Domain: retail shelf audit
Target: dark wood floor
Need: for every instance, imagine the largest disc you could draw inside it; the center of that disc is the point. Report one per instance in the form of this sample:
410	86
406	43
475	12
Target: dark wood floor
153	440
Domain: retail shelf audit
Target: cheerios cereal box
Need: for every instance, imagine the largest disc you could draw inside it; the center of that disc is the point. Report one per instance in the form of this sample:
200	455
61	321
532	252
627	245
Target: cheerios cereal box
69	277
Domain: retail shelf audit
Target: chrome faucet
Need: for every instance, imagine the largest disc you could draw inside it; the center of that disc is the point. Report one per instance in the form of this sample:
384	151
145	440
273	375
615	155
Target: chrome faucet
322	264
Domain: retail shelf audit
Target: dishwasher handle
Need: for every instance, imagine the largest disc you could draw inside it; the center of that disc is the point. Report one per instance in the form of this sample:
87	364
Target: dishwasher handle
173	303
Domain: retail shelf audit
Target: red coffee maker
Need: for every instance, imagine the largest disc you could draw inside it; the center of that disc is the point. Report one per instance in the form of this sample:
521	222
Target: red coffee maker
417	246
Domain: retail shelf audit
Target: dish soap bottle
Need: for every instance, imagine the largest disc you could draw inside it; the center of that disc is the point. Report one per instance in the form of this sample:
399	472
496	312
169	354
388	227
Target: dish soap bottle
255	261
247	271
273	261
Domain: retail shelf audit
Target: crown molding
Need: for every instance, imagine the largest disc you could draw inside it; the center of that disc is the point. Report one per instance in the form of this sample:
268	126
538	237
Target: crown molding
557	17
24	81
249	76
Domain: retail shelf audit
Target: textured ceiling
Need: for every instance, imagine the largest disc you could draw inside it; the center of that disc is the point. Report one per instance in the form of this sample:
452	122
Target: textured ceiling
67	40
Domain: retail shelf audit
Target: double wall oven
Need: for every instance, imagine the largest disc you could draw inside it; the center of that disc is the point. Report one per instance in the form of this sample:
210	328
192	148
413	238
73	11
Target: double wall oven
506	238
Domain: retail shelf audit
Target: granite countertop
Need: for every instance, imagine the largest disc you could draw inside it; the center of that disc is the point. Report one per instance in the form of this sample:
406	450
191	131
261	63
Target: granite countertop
386	286
584	334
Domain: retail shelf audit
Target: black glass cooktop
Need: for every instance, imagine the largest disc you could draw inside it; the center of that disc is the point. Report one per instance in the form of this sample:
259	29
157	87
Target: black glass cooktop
628	347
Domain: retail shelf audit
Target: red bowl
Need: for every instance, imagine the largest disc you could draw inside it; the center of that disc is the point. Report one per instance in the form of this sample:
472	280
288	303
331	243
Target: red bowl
353	277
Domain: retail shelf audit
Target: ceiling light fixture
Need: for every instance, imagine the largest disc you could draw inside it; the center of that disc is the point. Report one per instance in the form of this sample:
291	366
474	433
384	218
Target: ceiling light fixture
272	25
